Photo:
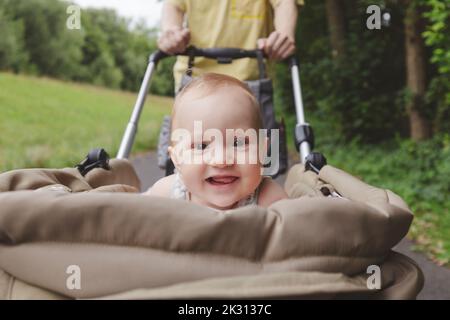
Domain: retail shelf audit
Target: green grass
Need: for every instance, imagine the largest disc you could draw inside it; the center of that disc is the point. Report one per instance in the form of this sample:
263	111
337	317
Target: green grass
49	123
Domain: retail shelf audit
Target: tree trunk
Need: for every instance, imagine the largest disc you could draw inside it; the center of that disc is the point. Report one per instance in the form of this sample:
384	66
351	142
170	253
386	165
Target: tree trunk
415	73
336	25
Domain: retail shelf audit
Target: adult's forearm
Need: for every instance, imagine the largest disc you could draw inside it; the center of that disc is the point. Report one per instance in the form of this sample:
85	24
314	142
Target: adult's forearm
172	16
285	17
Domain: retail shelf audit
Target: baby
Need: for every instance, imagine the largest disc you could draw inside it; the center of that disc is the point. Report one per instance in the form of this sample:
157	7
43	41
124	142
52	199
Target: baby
221	173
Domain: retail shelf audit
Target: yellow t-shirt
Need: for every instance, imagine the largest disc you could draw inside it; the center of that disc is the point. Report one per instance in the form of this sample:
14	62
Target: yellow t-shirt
226	23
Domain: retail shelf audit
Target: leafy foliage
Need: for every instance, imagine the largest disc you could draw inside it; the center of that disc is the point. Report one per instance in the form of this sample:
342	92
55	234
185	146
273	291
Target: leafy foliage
107	51
437	37
364	92
12	54
361	92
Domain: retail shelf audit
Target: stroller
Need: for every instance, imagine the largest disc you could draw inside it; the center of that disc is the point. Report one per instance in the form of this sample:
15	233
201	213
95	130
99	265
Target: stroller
86	232
263	92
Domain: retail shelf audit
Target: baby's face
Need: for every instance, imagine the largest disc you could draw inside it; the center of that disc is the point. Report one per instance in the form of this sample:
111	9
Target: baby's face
226	170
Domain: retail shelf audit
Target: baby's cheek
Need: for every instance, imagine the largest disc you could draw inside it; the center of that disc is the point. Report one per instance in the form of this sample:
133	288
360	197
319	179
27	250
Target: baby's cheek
192	175
247	156
252	175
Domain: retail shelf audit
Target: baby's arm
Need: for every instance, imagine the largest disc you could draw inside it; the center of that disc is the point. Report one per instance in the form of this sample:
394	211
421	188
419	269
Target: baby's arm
162	187
270	192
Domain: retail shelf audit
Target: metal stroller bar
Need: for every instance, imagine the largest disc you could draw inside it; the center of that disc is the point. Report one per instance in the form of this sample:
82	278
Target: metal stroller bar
130	131
304	138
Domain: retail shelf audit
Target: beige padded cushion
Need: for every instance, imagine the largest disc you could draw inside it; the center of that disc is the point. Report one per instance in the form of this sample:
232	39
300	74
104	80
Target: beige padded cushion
172	241
121	173
400	278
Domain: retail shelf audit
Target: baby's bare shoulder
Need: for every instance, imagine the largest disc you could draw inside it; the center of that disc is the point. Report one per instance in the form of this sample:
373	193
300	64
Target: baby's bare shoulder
162	187
270	192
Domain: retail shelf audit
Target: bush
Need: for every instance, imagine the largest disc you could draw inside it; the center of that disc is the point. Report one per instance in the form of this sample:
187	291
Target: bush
52	49
107	51
12	53
437	37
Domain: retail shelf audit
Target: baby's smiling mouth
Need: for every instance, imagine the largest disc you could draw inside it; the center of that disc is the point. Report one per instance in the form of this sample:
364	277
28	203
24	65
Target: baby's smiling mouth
221	180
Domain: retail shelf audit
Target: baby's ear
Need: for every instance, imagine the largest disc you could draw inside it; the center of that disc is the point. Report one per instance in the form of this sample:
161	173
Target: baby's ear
174	156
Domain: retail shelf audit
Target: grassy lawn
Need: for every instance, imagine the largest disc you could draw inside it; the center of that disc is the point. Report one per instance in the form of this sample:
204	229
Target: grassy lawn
49	123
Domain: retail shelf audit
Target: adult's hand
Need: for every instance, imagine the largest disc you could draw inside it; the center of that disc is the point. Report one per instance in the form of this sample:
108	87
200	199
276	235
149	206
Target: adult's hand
174	40
278	45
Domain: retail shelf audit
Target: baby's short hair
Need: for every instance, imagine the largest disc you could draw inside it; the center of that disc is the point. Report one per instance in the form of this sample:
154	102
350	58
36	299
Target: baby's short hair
208	82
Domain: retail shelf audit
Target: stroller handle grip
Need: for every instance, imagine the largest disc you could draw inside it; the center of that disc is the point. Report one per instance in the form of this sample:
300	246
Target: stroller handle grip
215	53
211	53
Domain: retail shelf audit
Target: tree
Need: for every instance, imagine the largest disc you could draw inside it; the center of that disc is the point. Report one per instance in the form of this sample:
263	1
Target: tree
336	24
437	38
415	72
12	51
52	48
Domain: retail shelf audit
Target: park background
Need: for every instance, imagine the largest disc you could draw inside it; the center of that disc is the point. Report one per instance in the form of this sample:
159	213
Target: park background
378	100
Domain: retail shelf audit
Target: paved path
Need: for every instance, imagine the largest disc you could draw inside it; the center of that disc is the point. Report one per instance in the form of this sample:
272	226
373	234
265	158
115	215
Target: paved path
437	279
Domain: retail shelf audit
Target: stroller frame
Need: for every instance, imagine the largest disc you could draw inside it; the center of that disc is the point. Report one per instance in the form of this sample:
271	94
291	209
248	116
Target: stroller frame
304	137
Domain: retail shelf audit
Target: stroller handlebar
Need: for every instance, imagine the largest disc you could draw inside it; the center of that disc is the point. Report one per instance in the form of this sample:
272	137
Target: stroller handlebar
220	54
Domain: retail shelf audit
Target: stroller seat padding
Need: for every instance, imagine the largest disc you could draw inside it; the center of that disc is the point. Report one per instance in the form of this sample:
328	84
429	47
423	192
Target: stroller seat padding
125	241
401	280
121	173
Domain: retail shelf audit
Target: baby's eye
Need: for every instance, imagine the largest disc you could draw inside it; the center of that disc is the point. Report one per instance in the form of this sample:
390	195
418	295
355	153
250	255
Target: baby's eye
240	142
199	146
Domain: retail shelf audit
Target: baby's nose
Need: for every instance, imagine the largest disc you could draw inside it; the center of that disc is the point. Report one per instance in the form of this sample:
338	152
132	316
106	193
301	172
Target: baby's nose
221	158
